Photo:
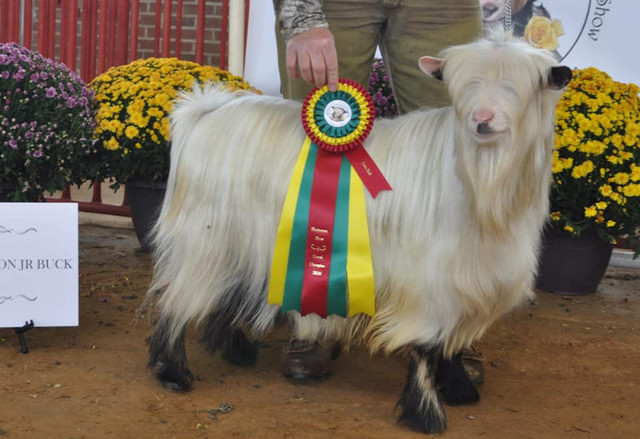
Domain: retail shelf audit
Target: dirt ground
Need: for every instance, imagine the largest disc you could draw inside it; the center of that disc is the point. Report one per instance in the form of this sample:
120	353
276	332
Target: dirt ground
559	368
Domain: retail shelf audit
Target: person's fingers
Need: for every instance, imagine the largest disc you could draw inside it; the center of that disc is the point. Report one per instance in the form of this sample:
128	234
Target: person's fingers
331	63
292	64
305	67
312	55
318	69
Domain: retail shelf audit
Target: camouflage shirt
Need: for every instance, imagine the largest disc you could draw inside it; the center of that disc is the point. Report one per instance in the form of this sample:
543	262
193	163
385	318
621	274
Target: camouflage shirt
296	16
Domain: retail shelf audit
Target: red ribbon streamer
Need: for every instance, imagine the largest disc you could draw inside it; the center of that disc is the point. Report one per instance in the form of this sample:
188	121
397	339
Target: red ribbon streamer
324	192
369	173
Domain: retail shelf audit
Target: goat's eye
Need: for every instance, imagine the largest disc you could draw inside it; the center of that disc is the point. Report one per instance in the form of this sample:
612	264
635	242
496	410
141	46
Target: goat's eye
510	89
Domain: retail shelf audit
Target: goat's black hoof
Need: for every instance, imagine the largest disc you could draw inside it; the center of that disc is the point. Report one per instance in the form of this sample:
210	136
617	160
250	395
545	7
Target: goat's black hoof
178	381
429	421
461	392
175	387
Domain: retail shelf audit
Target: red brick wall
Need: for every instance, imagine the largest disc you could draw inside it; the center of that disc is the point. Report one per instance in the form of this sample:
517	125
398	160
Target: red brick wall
213	20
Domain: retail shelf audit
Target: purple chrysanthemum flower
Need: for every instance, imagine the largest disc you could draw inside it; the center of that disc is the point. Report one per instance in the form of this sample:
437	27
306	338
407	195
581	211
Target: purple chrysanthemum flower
36	121
380	89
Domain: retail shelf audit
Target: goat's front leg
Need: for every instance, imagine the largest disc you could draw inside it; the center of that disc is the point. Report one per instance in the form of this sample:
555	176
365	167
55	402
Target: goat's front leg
457	388
421	407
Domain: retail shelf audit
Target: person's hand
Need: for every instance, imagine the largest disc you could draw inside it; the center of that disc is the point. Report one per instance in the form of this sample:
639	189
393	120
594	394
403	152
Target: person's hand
312	55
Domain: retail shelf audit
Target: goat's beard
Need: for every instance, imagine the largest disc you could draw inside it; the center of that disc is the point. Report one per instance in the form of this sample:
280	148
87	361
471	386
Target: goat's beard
487	171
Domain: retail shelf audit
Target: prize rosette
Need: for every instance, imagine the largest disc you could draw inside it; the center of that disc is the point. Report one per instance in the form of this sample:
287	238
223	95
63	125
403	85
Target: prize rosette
322	257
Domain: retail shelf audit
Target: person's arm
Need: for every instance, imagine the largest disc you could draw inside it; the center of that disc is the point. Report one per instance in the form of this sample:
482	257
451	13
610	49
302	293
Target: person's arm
311	50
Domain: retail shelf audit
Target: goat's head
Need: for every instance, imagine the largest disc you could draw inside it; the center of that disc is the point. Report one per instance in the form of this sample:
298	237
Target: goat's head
496	83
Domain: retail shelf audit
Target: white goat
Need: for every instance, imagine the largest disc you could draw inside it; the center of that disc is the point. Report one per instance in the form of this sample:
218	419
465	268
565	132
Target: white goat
454	244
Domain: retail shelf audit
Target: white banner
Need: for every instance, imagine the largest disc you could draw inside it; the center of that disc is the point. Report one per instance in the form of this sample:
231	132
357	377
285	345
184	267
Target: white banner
583	33
261	59
38	264
598	33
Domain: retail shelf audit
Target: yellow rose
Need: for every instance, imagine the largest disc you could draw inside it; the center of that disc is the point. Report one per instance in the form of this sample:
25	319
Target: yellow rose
543	33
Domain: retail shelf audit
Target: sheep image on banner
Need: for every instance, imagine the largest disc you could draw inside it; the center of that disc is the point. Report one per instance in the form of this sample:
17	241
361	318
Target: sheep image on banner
454	244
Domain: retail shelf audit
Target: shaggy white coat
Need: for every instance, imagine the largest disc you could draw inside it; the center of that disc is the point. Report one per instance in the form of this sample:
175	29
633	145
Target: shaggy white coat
454	244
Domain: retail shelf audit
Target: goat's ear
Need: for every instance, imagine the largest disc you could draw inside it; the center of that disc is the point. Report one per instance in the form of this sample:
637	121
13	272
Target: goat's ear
559	77
431	66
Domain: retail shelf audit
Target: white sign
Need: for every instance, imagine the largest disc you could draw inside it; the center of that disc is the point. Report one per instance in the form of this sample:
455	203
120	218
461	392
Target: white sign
38	264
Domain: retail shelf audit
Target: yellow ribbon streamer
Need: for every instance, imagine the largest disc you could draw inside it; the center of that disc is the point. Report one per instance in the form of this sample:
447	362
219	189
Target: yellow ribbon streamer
285	229
359	266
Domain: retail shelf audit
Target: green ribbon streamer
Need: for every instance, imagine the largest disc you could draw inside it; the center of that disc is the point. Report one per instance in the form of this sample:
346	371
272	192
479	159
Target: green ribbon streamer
295	267
337	289
337	293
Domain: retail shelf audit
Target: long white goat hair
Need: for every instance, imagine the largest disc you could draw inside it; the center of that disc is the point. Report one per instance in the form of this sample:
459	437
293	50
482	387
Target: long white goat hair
454	244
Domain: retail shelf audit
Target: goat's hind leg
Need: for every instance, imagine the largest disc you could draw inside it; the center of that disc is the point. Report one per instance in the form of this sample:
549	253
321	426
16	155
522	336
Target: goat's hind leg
421	407
219	333
167	359
457	388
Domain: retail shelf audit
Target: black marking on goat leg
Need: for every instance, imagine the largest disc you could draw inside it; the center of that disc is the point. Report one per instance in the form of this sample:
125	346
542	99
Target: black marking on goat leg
169	362
216	331
421	407
457	388
238	350
219	332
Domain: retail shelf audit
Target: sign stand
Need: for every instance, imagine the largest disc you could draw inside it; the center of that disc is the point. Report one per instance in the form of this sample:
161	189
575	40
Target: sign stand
20	331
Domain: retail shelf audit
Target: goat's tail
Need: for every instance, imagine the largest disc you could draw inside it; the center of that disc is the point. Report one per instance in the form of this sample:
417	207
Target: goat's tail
190	107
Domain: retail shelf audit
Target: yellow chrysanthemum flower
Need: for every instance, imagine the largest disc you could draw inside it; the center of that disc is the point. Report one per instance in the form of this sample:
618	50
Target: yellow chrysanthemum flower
590	212
134	104
131	131
596	157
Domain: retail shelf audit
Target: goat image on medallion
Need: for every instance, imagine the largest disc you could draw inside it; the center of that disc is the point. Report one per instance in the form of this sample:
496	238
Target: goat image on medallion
454	245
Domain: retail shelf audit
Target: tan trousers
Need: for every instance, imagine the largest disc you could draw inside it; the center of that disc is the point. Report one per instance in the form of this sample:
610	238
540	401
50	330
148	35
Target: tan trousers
405	30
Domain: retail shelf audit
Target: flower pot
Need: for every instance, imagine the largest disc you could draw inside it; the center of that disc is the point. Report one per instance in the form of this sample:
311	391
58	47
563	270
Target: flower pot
572	265
145	200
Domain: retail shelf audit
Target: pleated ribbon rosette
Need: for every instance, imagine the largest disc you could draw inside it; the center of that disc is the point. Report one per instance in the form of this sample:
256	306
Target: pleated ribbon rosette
322	257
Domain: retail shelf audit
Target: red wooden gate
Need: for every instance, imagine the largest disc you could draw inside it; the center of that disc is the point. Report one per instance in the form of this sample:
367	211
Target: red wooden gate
98	34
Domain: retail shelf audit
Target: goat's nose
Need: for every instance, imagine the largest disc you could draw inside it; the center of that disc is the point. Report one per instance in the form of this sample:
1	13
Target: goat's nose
482	116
